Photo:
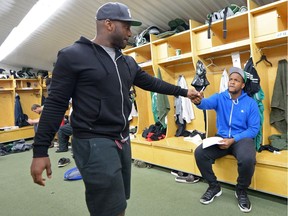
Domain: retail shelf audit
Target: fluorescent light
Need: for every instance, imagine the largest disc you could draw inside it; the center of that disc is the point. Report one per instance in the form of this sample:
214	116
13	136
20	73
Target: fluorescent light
38	14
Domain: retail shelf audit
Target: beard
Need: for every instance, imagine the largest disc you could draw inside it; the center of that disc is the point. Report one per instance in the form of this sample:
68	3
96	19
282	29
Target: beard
234	91
118	41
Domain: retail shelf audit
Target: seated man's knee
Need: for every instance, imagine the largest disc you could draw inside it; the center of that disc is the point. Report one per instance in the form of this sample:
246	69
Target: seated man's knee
251	161
198	153
60	133
247	161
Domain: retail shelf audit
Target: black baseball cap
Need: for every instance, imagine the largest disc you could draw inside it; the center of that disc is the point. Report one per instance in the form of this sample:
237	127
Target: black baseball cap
116	11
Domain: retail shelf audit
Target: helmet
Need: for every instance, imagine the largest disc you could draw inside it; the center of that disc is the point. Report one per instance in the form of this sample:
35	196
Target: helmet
144	36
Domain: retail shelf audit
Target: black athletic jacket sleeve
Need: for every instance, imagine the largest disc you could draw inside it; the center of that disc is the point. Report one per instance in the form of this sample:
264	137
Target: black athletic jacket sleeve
99	88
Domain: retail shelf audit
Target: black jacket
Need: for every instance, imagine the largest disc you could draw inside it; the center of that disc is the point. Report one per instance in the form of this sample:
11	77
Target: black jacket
99	89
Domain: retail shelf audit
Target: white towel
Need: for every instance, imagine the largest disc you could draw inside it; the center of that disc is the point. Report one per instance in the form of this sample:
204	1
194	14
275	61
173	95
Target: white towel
186	112
224	81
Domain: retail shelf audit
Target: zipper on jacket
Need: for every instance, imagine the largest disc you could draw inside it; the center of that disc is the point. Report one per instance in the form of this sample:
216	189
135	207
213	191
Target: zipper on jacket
230	120
122	97
121	92
234	102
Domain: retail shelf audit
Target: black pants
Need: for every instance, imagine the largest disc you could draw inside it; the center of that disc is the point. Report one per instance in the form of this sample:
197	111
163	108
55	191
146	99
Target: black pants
64	134
243	150
106	172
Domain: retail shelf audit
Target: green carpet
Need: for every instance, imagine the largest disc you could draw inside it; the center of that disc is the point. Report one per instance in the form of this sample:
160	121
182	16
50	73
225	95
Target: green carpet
154	193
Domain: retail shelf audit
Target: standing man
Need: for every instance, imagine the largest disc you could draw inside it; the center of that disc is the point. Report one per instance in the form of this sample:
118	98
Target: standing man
98	77
238	122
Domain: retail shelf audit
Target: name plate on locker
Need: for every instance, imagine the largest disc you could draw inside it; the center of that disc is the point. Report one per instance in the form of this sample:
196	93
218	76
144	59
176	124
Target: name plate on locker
281	34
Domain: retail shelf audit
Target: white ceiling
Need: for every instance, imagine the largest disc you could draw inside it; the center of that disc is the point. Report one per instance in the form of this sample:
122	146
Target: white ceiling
77	17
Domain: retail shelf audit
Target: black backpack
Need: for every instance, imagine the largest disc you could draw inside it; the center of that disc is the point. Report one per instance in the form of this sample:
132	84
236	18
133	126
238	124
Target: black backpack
252	84
22	121
200	80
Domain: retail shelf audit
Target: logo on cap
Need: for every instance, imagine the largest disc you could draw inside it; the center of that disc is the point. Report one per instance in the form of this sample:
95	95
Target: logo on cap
129	13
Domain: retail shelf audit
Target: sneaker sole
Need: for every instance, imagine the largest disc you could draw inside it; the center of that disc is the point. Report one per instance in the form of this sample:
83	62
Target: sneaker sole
216	195
187	182
242	209
62	165
175	174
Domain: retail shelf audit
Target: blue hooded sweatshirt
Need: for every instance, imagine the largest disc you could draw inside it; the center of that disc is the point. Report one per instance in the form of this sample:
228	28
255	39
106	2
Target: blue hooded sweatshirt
236	119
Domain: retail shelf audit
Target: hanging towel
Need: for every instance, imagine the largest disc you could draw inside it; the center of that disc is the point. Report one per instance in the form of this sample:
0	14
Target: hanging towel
133	113
183	105
163	106
224	81
278	115
154	106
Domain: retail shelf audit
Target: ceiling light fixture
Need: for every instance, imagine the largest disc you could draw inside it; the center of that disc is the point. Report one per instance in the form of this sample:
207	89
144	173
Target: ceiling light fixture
38	14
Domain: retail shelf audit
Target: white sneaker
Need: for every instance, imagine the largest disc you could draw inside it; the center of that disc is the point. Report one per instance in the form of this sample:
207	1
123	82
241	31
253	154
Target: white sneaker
190	179
179	173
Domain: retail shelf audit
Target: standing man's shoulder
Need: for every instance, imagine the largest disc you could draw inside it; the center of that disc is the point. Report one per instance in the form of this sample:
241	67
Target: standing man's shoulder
74	48
129	59
133	65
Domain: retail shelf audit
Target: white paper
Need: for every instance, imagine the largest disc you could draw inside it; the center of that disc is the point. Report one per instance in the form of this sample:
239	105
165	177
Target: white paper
195	139
211	141
236	59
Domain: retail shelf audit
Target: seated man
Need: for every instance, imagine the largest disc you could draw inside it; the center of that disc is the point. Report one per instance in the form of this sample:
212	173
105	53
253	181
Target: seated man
238	122
37	109
64	134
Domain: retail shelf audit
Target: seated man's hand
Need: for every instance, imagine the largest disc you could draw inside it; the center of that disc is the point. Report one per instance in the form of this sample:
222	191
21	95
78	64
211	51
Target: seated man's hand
226	143
33	121
30	121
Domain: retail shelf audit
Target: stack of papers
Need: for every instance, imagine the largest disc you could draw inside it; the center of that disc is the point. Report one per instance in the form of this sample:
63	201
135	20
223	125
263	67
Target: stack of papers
212	141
